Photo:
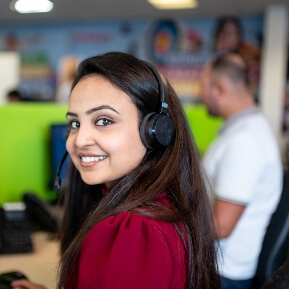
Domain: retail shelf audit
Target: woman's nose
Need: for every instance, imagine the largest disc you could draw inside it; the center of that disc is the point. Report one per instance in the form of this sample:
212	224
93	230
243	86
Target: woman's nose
84	137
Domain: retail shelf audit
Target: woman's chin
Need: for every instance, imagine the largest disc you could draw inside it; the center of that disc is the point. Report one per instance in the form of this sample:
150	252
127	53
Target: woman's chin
90	181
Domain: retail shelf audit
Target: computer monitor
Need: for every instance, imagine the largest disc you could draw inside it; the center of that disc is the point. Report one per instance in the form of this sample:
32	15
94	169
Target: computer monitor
58	133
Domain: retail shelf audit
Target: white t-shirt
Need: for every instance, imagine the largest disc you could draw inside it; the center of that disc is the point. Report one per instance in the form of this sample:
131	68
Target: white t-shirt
244	167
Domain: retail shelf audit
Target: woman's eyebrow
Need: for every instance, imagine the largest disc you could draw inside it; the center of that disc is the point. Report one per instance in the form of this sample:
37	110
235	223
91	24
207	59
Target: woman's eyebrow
99	108
71	114
93	110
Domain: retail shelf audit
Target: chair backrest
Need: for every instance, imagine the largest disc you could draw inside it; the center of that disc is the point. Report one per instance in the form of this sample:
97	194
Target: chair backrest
275	246
280	279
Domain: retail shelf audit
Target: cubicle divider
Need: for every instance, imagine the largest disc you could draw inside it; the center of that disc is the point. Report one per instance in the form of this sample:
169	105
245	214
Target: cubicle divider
25	149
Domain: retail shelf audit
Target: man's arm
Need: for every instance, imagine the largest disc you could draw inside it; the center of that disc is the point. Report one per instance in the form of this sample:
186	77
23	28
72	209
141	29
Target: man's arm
226	216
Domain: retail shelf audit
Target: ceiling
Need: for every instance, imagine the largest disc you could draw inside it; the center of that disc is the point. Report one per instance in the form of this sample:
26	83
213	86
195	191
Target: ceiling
93	10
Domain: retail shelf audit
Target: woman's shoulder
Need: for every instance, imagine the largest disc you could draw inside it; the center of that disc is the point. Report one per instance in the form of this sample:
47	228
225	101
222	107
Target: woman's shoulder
126	223
150	250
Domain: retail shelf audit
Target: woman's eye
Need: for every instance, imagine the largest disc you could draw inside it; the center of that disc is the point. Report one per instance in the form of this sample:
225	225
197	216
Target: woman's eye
74	124
103	122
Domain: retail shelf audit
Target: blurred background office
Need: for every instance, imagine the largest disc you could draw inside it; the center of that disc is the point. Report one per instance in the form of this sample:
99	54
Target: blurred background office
39	53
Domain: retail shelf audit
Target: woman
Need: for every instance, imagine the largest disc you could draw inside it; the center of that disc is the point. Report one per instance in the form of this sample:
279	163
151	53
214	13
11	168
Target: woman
137	215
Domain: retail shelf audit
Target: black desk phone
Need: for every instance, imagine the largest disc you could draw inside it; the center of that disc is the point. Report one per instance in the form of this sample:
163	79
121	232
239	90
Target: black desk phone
14	229
18	220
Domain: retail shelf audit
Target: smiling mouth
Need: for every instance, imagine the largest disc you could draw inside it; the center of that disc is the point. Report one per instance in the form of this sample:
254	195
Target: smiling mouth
92	159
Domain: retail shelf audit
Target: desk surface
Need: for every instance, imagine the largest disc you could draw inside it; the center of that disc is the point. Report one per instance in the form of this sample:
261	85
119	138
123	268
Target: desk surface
40	266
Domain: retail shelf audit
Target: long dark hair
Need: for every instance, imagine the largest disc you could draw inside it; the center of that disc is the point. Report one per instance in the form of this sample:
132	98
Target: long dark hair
175	169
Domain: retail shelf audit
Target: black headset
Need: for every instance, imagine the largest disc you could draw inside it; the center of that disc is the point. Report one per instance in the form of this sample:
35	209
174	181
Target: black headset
157	130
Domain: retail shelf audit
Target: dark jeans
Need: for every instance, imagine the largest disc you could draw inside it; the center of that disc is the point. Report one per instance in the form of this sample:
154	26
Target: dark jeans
236	284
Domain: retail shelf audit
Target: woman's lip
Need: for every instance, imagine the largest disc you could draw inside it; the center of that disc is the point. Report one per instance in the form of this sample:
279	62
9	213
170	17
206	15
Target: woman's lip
89	155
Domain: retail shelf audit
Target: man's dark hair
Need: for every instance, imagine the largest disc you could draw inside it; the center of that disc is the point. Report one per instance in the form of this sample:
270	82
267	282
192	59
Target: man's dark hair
236	71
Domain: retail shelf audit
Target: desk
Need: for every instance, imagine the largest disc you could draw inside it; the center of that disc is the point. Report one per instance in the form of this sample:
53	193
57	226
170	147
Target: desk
40	266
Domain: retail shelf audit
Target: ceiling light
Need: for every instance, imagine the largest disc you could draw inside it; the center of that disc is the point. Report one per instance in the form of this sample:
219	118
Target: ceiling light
174	4
31	6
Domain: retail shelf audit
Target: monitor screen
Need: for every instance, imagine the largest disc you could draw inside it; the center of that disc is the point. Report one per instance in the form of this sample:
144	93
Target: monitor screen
58	134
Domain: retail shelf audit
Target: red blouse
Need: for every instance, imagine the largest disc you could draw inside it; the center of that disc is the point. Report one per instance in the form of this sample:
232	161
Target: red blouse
130	251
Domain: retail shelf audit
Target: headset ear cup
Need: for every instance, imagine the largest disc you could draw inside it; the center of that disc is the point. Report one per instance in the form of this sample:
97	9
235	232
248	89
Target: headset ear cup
144	130
163	130
157	131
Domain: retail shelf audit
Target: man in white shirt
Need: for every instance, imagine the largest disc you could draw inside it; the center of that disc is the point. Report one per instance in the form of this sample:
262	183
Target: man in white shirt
244	169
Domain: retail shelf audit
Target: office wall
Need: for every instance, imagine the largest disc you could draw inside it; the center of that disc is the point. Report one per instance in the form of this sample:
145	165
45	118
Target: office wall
179	47
9	73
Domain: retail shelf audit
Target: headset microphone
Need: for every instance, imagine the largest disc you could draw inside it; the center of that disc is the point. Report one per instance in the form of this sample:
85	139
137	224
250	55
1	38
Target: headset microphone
57	182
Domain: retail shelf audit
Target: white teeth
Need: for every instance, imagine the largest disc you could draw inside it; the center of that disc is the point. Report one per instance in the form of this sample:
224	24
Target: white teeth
92	159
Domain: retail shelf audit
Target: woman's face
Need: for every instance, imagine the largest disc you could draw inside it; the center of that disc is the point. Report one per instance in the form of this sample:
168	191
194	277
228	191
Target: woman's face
104	142
229	38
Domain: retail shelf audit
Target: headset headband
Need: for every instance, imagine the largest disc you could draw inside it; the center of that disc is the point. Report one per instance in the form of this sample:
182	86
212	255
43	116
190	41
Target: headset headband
163	88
